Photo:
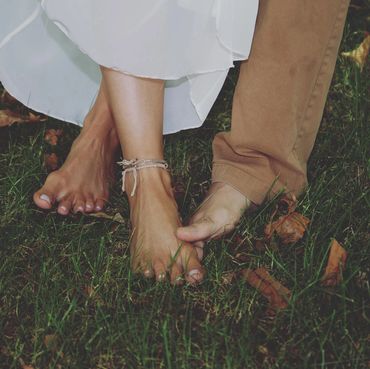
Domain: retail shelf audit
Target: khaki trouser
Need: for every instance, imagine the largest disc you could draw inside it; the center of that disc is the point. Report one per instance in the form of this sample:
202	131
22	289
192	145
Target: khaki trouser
280	97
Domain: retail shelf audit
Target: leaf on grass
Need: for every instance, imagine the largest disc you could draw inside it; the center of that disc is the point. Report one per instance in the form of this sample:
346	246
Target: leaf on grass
290	228
116	217
335	266
277	295
24	365
52	136
242	257
90	292
287	204
51	162
7	99
228	277
360	54
8	117
51	341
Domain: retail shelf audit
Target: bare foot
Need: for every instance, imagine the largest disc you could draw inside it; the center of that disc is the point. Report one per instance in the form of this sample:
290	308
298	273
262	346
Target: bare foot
218	215
155	249
82	183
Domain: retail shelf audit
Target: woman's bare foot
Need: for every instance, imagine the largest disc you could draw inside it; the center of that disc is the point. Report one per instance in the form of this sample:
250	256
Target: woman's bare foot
155	249
218	215
82	183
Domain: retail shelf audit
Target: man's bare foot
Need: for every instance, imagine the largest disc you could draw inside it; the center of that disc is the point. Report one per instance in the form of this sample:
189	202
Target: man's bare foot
218	215
82	183
155	249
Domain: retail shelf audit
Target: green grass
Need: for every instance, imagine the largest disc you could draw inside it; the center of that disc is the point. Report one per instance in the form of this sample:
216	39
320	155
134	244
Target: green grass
70	277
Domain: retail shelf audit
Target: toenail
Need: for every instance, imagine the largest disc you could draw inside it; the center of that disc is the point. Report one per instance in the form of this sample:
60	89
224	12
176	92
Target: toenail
88	206
63	208
148	273
45	198
80	208
161	277
195	274
98	208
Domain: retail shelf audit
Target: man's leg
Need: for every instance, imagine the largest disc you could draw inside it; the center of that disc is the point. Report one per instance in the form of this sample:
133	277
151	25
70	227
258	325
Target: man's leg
277	109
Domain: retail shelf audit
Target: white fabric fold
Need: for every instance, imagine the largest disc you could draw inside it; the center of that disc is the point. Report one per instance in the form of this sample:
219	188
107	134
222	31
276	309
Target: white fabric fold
50	51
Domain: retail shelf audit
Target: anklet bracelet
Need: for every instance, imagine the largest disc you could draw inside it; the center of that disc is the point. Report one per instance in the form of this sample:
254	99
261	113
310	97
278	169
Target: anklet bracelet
137	164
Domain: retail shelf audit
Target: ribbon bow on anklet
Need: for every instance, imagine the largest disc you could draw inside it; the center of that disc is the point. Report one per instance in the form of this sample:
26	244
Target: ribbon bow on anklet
136	164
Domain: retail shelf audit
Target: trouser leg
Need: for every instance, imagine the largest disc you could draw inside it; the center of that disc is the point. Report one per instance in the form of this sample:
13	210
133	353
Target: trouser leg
280	97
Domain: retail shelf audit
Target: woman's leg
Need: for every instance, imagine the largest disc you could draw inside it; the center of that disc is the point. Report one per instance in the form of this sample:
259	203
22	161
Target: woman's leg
82	183
137	108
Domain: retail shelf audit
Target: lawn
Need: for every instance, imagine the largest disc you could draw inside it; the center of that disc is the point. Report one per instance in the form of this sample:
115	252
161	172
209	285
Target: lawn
69	300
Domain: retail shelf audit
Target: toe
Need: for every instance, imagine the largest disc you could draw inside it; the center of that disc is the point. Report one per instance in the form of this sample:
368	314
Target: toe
148	273
65	206
194	272
99	205
43	198
176	274
199	230
89	205
79	206
160	271
145	268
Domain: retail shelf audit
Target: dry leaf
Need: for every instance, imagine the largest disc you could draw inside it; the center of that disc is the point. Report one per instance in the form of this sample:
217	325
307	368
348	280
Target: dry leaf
8	117
7	99
242	257
290	228
228	278
52	136
287	204
277	295
335	266
51	341
51	162
89	292
360	54
116	217
24	365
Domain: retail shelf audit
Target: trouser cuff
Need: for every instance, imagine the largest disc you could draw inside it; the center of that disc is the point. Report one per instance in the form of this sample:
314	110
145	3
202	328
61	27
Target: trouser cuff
255	189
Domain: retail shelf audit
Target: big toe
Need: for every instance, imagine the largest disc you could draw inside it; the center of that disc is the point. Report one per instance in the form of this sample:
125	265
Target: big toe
194	272
44	198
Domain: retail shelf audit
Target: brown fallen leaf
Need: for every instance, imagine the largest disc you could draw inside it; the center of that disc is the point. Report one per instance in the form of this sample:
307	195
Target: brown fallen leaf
51	341
228	277
287	204
51	162
8	117
116	217
277	295
52	136
90	292
7	99
336	264
241	257
24	365
290	228
360	54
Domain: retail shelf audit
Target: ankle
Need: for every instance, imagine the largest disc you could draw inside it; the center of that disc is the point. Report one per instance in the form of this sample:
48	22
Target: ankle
150	181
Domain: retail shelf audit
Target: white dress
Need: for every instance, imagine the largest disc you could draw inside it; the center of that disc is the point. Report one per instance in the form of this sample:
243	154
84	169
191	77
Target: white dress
50	51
